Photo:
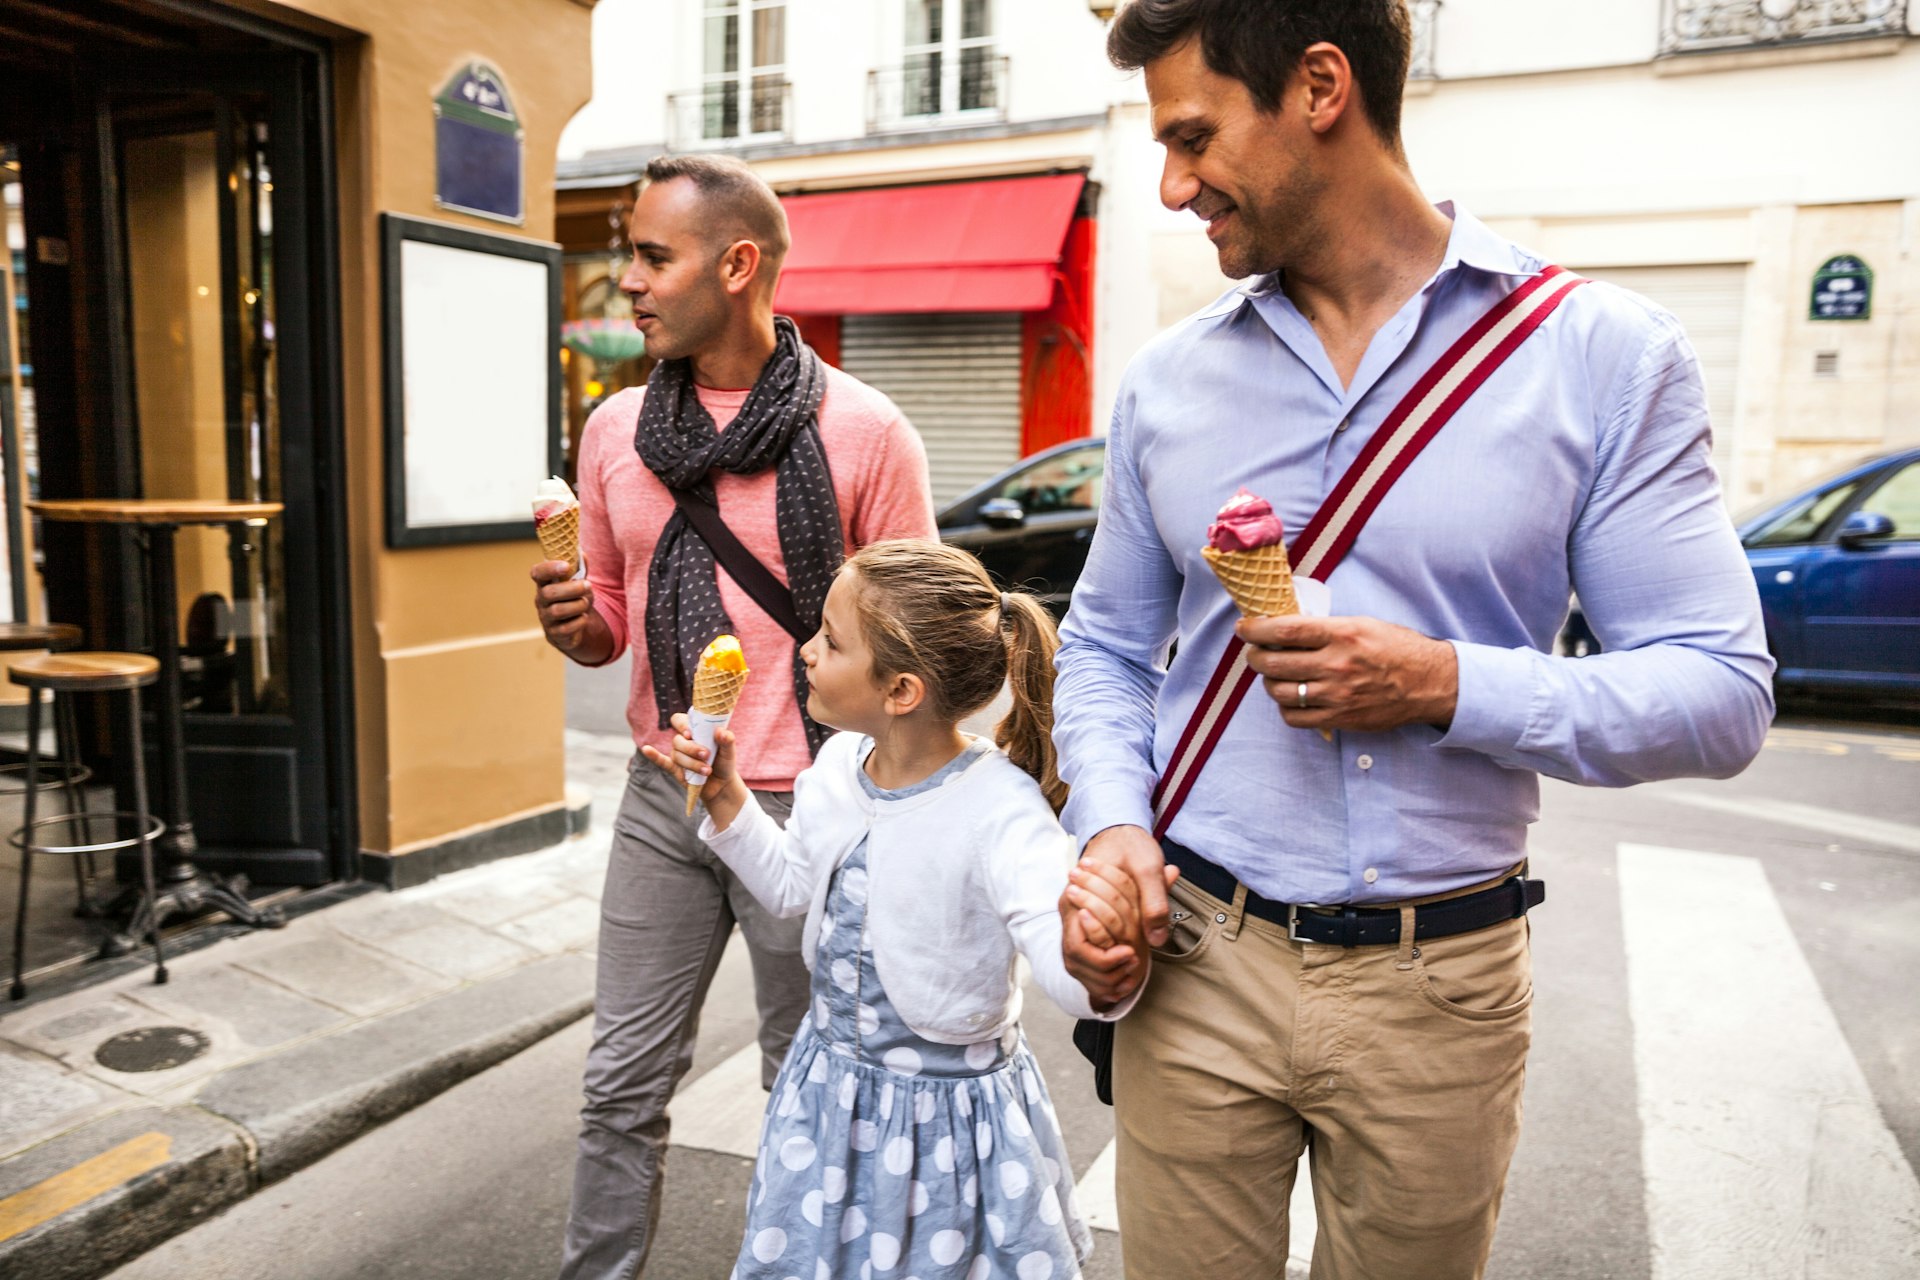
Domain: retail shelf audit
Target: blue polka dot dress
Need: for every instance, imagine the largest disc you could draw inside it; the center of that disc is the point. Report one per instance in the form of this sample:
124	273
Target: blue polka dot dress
888	1156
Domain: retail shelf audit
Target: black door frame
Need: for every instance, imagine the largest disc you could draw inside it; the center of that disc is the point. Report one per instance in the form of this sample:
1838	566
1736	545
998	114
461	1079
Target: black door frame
308	347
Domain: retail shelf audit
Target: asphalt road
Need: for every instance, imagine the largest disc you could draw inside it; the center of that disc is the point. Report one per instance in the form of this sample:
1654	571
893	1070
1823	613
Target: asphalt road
1725	1082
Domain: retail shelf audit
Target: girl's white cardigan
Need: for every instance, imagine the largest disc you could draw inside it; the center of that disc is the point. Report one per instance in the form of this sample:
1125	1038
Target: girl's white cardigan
958	878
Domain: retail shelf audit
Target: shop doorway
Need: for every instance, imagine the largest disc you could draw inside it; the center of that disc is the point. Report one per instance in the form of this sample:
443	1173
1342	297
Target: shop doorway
175	174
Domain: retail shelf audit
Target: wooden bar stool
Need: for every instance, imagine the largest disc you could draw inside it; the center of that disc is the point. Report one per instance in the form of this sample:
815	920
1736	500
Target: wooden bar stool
67	773
84	673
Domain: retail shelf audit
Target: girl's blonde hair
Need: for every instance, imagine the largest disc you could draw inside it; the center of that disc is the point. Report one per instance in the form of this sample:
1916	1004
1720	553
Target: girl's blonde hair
930	610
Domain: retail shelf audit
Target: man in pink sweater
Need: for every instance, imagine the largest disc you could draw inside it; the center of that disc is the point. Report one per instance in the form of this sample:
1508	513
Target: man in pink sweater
804	464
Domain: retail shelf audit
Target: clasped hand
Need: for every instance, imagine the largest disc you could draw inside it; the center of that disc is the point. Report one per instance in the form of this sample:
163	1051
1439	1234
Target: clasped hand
1358	674
1114	908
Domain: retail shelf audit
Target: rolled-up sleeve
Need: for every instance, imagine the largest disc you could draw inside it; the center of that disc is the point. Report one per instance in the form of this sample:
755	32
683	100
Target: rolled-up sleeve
606	562
1684	685
1113	650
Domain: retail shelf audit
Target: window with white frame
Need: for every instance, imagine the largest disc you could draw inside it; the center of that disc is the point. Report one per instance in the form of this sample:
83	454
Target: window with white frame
950	65
745	61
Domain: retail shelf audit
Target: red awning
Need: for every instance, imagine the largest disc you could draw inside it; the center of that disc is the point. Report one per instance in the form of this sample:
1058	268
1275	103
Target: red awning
962	246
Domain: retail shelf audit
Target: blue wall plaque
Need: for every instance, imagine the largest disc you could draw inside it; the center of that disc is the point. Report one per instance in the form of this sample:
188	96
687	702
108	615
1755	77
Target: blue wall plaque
1842	290
479	164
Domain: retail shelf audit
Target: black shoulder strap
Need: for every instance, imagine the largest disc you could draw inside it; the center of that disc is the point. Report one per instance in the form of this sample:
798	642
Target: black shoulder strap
754	578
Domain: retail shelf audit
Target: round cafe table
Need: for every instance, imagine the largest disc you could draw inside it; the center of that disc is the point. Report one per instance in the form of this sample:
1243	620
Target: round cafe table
184	889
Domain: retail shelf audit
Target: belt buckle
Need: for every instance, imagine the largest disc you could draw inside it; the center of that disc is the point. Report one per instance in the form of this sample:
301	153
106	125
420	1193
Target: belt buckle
1293	924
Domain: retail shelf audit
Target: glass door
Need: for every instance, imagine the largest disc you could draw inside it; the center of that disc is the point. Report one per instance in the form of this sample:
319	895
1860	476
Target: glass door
207	181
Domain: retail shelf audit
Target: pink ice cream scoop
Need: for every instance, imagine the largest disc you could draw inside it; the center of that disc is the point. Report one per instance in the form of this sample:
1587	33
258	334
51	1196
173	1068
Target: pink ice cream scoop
1244	524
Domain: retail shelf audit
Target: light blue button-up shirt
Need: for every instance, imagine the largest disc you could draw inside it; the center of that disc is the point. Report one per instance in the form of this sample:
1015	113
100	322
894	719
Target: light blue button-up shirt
1583	463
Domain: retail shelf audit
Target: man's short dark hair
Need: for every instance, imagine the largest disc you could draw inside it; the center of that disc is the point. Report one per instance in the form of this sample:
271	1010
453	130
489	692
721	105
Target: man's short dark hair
738	203
1260	44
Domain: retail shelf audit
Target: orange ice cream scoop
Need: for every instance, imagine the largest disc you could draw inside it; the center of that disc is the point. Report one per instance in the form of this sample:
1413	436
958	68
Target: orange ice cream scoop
724	654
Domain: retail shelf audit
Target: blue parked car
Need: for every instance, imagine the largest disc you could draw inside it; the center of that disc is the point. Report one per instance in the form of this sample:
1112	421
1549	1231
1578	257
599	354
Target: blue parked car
1838	566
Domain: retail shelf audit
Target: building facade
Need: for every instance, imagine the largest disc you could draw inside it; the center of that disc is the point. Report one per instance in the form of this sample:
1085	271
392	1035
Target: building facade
1721	157
1734	160
199	203
941	164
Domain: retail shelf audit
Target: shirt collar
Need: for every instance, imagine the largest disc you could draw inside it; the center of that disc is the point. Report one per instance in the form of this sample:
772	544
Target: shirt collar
1469	244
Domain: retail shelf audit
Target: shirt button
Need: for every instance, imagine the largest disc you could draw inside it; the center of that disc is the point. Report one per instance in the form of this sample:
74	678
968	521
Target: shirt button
1365	762
1370	875
1342	427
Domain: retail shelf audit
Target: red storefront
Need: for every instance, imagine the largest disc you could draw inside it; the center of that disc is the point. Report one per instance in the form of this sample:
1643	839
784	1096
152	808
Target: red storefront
970	303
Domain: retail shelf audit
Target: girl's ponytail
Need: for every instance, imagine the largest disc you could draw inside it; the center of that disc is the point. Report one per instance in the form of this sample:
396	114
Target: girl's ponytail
1026	734
931	609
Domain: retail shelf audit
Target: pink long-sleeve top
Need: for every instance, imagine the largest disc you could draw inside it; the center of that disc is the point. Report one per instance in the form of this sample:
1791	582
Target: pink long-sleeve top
879	479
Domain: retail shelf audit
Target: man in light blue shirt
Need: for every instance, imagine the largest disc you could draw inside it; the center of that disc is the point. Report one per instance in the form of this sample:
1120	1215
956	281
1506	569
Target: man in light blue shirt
1583	463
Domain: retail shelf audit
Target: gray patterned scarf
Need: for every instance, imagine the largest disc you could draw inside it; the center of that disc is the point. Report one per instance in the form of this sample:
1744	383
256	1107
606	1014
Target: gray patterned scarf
778	427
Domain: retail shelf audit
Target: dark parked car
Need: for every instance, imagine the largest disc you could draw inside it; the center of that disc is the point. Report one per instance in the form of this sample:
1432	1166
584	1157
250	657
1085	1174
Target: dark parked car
1838	566
1030	525
1838	563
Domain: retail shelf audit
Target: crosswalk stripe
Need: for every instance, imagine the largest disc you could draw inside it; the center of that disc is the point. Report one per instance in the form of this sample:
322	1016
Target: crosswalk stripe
1764	1153
1100	1206
721	1111
1095	1193
1836	822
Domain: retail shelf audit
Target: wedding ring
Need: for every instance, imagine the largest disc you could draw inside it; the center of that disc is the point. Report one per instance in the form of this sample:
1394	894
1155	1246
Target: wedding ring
1303	693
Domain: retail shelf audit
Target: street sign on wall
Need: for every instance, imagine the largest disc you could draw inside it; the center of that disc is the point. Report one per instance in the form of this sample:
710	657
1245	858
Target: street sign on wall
479	160
1842	290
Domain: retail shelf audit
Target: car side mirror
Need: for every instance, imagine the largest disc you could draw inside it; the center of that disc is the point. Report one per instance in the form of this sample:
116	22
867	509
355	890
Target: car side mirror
1005	513
1863	527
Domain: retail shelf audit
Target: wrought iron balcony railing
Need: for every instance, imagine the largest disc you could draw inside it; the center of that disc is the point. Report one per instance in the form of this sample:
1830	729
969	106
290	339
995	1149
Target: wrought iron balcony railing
1425	13
1699	26
935	87
716	114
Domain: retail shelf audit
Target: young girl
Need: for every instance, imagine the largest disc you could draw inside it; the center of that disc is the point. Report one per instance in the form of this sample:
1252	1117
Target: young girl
909	1133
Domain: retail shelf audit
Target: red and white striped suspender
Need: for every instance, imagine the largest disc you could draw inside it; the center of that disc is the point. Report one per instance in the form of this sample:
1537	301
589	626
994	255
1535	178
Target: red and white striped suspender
1320	547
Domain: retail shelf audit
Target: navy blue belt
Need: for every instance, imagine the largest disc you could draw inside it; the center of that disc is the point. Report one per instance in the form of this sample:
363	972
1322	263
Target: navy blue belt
1351	926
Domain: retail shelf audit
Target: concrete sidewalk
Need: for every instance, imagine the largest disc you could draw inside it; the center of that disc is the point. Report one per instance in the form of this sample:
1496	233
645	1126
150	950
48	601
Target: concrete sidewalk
269	1050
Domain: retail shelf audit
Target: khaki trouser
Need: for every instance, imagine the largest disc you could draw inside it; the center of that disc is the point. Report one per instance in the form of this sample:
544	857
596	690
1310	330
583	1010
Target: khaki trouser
1401	1066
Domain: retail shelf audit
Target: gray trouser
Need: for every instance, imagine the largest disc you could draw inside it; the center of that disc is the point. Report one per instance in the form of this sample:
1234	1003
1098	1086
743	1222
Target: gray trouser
665	917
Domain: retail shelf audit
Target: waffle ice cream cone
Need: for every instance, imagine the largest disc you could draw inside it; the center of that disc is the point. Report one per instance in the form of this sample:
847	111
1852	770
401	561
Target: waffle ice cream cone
560	536
715	691
717	684
556	518
1246	548
1260	581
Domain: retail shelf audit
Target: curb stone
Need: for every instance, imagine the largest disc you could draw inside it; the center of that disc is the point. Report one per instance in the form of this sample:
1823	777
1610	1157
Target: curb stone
180	1166
82	1203
309	1101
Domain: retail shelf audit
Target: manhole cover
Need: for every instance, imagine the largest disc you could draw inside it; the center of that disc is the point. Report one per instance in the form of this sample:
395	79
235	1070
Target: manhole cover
150	1049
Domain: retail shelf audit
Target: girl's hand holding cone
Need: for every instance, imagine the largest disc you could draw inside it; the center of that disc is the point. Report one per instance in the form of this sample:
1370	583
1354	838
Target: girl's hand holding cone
714	774
717	685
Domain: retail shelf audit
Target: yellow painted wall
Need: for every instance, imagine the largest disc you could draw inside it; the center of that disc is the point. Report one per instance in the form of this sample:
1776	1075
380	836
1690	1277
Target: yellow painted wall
460	705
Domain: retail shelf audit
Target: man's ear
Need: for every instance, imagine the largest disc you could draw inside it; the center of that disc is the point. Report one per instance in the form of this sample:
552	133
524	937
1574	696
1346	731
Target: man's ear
740	265
905	693
1326	80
